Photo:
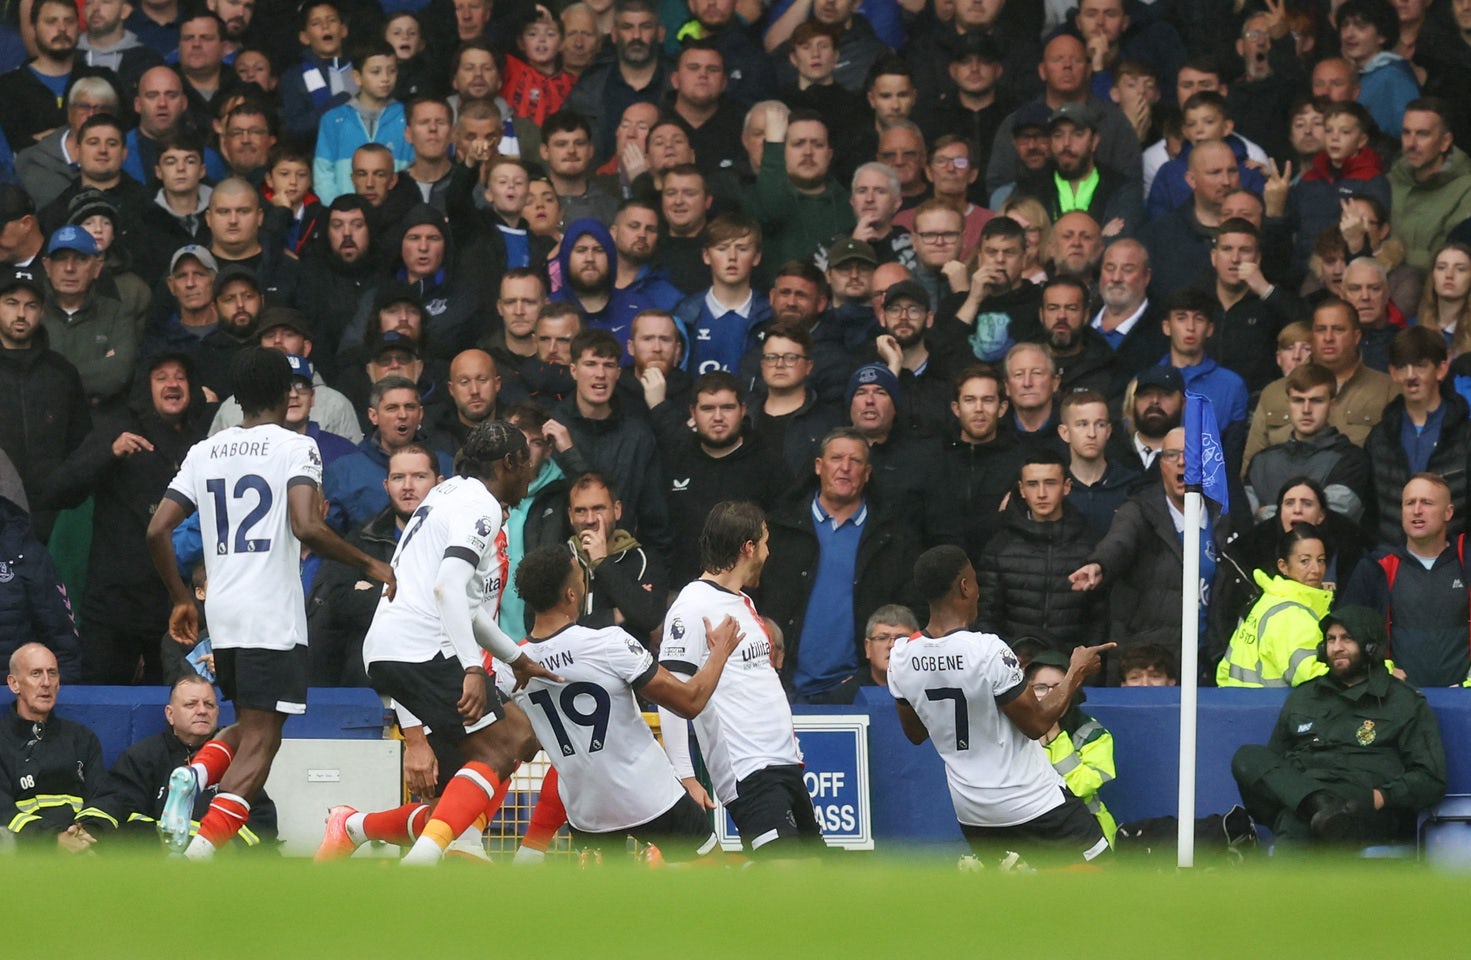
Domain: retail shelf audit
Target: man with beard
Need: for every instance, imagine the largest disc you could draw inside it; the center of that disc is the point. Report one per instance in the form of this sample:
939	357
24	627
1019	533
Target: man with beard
875	200
160	106
91	331
1075	247
1083	358
238	302
340	607
640	286
625	583
354	484
1189	322
619	446
923	378
635	74
31	94
236	15
850	267
1073	180
1159	403
796	200
337	268
653	385
124	464
566	149
1127	321
589	261
1338	770
107	43
714	121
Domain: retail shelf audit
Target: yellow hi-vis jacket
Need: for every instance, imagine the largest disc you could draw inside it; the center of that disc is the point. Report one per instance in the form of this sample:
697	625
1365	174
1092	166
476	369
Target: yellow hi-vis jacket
1083	756
1277	644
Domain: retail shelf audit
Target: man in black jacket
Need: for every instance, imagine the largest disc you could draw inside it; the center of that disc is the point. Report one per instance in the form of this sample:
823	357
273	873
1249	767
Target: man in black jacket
1023	576
839	555
48	411
1114	200
30	95
337	266
131	798
718	461
625	584
50	767
340	607
1425	429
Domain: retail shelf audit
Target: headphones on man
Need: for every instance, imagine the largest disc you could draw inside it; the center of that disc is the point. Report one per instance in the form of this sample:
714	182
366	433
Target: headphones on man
1372	651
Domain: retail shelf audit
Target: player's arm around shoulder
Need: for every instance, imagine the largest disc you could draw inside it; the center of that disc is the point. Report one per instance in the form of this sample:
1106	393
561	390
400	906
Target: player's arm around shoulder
686	699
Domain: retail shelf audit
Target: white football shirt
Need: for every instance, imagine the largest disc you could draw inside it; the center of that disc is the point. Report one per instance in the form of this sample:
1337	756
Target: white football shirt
747	725
611	772
956	683
238	480
459	518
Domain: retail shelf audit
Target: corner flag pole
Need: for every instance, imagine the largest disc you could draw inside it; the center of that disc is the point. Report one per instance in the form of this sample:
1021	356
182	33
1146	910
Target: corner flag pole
1189	671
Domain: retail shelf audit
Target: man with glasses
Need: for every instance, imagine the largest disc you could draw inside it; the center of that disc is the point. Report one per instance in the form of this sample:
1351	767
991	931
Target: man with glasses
902	148
247	141
48	167
938	232
903	346
785	410
888	624
952	171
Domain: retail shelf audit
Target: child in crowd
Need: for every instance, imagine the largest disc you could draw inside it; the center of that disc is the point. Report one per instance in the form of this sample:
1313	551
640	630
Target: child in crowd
372	115
288	187
506	186
1204	117
253	66
1346	165
404	33
324	77
723	319
536	86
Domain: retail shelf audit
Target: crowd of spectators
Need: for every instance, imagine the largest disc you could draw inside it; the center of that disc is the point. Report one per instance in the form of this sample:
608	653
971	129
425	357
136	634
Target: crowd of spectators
902	273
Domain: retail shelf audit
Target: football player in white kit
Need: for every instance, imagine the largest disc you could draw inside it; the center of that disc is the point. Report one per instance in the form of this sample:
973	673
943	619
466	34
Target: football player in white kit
257	488
613	778
965	690
745	732
424	649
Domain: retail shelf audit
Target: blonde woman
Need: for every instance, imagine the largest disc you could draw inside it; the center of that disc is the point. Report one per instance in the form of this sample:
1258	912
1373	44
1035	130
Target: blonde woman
1038	226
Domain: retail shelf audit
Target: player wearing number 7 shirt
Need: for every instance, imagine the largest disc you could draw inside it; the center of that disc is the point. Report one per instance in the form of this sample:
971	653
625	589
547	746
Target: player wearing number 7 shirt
612	777
966	691
745	732
257	487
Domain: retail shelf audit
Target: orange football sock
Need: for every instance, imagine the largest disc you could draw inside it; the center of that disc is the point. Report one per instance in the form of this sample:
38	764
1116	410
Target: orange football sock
547	817
400	826
470	793
212	760
227	814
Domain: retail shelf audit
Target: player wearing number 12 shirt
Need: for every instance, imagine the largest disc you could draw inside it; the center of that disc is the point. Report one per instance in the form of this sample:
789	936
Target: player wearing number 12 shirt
965	690
746	731
257	489
612	776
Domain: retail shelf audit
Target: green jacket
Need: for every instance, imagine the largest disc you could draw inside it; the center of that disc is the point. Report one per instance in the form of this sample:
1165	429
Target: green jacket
1424	213
793	223
1378	734
1277	644
100	340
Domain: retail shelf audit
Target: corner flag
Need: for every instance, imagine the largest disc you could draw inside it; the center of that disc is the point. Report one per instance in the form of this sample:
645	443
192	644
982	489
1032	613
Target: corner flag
1205	462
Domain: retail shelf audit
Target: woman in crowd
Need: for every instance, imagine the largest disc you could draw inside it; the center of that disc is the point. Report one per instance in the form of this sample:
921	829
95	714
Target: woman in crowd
1276	644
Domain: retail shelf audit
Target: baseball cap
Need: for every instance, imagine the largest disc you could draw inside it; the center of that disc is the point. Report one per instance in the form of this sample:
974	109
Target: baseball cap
200	253
232	273
301	367
872	374
397	291
14	203
843	249
72	238
1075	113
1162	377
906	290
12	277
1032	115
393	340
289	317
966	45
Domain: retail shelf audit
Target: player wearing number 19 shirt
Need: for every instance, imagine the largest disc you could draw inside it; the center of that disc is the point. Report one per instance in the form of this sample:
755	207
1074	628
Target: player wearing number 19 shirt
746	732
257	488
965	690
612	776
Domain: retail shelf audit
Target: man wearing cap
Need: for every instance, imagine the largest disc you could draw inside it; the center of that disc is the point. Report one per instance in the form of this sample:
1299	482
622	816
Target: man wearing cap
976	105
1159	403
1065	77
238	302
93	332
21	239
850	266
929	52
1074	180
287	330
125	464
190	283
48	414
1356	753
838	554
900	462
100	153
353	485
299	411
902	345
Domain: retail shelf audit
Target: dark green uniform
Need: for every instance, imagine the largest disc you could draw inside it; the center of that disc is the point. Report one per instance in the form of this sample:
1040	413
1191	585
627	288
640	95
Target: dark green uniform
1378	734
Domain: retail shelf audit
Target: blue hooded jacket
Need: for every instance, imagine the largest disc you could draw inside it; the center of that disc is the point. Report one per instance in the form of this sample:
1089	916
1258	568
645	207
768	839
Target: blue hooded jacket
623	305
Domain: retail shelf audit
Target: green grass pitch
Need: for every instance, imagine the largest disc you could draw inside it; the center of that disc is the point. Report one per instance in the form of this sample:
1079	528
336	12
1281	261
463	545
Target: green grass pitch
866	907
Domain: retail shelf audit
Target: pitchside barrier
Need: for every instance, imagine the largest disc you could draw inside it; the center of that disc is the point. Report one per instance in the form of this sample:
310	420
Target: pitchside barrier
872	786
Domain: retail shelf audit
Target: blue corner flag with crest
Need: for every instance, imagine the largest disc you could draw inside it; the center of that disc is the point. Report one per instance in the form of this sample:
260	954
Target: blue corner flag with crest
1205	461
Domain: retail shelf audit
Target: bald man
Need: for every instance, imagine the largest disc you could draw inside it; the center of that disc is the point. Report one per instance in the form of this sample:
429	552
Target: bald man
473	384
160	104
235	217
1179	242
